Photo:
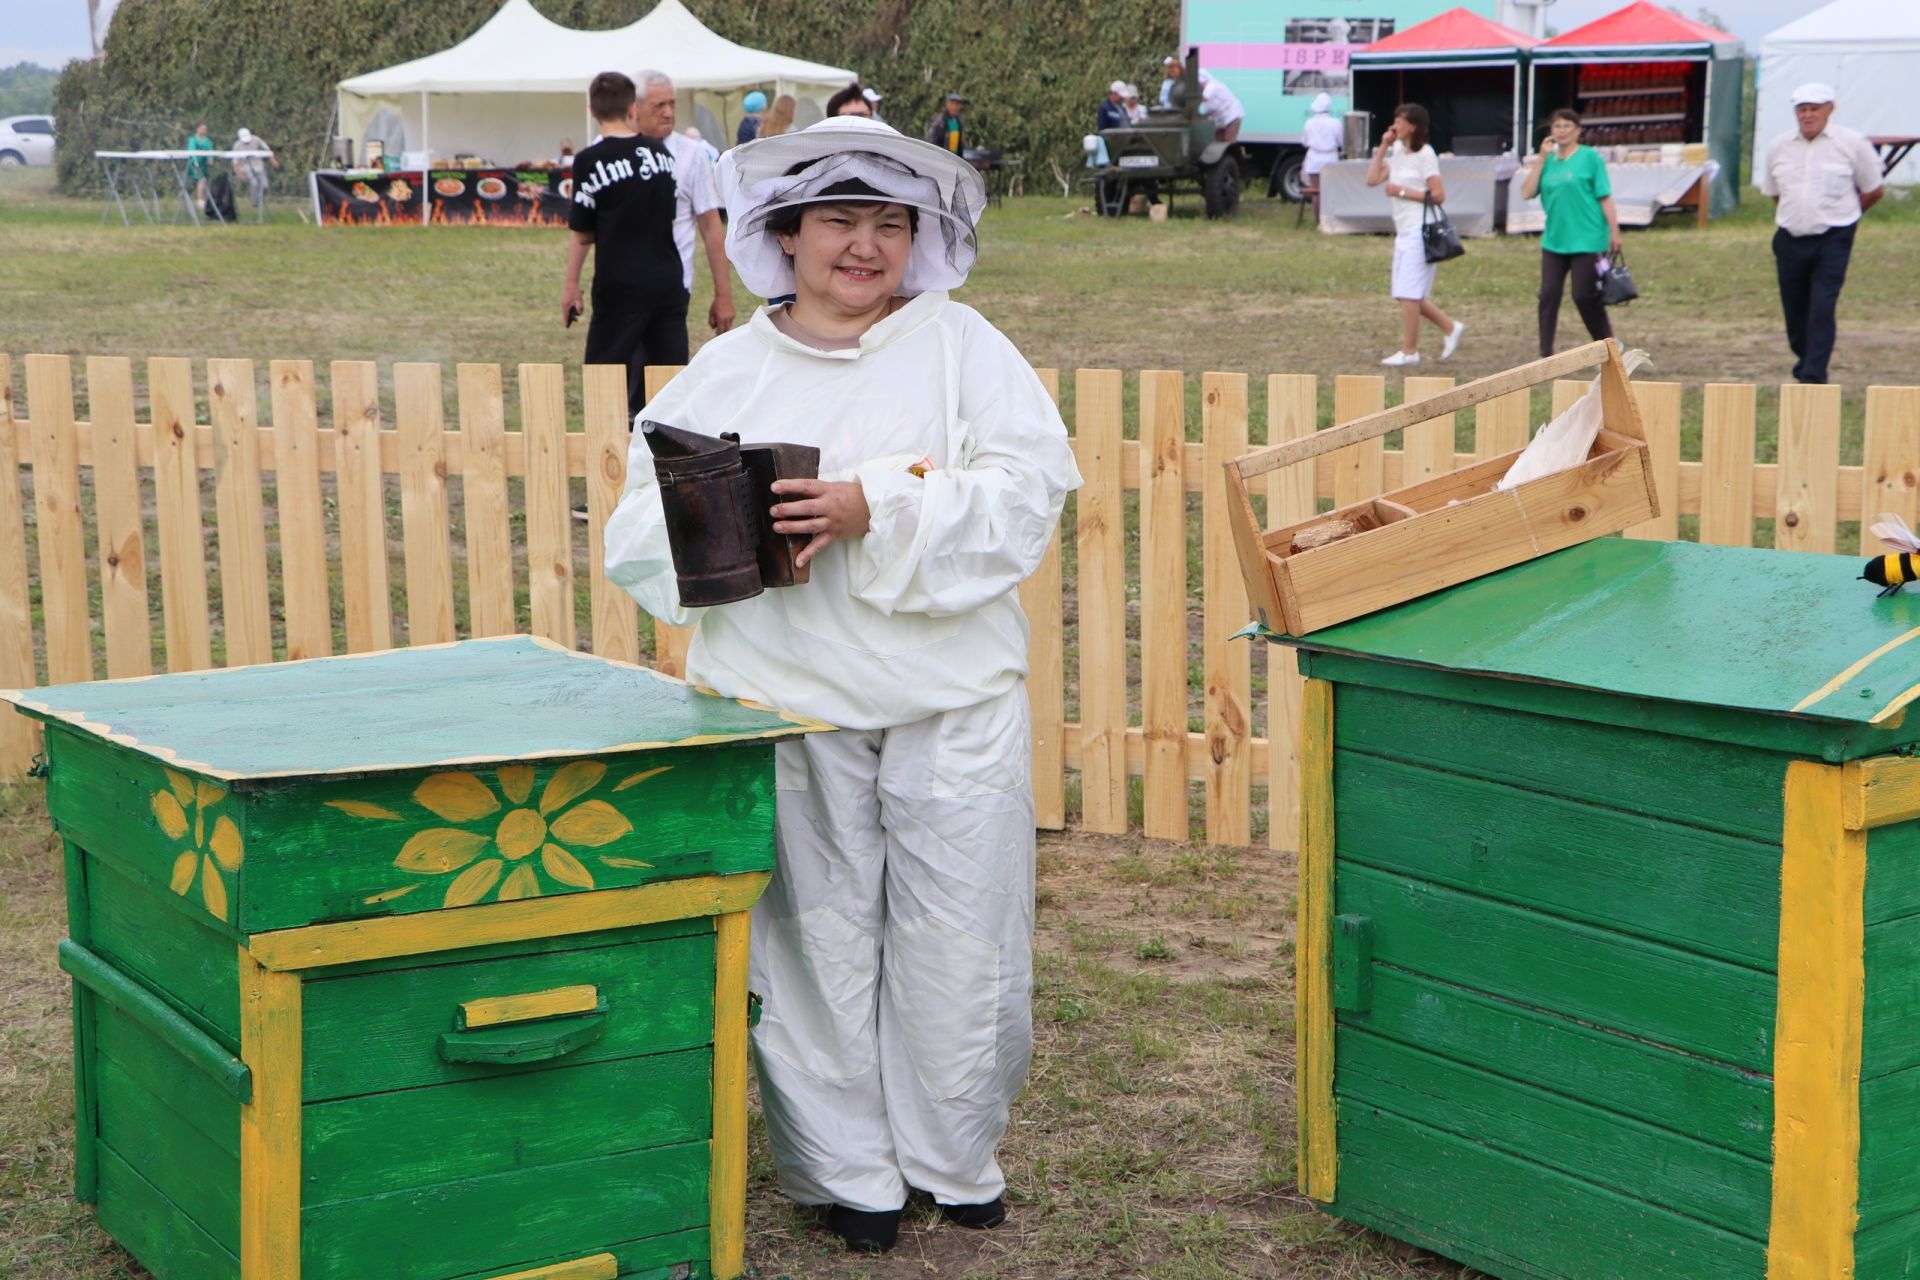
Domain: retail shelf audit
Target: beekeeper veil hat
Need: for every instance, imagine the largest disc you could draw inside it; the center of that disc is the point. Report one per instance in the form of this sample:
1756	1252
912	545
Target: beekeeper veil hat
849	158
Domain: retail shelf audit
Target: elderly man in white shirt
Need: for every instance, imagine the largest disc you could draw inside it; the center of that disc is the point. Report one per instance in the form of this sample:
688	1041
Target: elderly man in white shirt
1822	178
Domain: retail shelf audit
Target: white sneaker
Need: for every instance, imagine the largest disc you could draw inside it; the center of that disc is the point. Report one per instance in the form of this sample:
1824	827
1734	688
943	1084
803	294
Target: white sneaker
1400	358
1453	341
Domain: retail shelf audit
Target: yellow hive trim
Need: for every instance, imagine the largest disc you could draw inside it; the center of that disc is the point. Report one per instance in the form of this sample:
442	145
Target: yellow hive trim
1817	1031
1853	669
601	1266
727	1178
1313	1020
492	1011
349	942
270	1124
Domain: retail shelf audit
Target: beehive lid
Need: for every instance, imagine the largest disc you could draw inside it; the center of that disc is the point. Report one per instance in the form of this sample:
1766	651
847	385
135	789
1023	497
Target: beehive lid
475	702
1756	631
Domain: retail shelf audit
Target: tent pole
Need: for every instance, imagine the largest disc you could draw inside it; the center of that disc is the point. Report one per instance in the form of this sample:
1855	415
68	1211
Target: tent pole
426	187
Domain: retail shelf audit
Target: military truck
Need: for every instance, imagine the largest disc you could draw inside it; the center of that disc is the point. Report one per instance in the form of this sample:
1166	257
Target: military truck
1172	150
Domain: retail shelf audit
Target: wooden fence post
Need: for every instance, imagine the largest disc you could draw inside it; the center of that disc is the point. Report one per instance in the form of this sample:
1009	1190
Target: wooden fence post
669	642
423	502
1807	501
483	500
116	515
1359	470
1890	459
1726	450
56	502
301	521
1041	600
1426	450
1163	602
1099	533
543	421
363	505
1292	412
1502	425
603	394
233	409
19	736
176	494
1660	416
1225	662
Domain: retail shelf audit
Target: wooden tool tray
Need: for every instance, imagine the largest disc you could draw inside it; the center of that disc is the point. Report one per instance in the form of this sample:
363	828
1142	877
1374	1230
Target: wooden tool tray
1448	529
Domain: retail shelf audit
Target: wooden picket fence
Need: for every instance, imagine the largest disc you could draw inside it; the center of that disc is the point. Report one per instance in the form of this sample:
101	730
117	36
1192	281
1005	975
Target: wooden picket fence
74	555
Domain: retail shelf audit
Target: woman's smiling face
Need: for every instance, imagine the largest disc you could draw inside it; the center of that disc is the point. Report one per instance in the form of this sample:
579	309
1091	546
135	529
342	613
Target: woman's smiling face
849	258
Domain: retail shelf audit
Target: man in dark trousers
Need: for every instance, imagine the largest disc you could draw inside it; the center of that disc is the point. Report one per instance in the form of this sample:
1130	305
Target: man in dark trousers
623	209
945	129
1822	179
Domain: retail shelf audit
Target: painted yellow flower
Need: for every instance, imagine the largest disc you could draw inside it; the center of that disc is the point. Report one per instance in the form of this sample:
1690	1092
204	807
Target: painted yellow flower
490	852
216	850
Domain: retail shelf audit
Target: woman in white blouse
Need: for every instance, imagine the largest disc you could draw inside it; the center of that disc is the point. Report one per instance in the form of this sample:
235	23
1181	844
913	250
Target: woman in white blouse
1411	172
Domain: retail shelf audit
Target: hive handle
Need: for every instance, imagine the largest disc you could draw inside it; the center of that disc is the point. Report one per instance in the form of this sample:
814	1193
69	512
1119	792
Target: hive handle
518	1043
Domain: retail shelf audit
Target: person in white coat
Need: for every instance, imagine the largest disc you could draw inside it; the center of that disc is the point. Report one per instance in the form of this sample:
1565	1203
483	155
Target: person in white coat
894	947
1322	135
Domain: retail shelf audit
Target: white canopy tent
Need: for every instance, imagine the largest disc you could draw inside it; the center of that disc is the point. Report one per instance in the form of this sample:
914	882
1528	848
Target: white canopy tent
514	88
1868	50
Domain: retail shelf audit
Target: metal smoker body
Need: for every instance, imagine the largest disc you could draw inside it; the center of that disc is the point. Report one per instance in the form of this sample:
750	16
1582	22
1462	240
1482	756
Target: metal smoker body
717	496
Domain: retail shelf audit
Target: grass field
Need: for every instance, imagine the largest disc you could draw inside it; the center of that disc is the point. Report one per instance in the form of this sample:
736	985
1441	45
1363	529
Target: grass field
1155	1137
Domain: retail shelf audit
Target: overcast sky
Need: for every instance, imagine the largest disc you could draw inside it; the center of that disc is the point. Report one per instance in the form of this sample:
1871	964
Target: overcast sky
51	31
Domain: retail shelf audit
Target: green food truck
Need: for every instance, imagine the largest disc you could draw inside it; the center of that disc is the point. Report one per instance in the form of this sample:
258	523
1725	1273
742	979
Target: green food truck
1277	56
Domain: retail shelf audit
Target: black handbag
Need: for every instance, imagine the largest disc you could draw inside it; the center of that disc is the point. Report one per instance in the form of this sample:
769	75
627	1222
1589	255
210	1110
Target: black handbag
1617	287
1437	235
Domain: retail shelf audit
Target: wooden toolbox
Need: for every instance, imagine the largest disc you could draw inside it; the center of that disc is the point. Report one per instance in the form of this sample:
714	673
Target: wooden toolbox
413	965
1448	529
1608	953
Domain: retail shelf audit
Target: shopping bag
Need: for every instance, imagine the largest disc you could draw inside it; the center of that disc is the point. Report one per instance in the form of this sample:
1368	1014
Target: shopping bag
1437	235
1616	286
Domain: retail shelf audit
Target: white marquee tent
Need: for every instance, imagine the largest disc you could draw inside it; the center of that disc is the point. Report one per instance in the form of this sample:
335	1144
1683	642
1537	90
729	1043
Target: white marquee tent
1868	50
513	89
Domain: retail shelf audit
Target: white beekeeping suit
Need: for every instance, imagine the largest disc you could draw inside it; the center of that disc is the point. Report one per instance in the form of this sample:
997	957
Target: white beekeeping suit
893	948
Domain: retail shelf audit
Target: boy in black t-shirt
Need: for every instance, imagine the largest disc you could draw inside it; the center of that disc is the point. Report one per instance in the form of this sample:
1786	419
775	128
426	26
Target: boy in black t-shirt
623	207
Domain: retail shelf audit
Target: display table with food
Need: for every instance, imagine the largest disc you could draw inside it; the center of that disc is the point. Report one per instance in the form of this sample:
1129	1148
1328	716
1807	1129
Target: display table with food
1348	206
515	197
1640	191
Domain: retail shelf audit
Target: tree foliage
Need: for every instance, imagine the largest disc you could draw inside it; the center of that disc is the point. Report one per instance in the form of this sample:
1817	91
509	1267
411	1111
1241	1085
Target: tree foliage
1035	69
26	89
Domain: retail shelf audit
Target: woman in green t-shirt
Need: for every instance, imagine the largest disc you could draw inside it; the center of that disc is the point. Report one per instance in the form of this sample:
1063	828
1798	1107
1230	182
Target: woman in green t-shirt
1571	181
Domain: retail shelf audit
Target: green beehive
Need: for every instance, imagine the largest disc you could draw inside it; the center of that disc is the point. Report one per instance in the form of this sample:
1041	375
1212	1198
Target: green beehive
1609	950
413	965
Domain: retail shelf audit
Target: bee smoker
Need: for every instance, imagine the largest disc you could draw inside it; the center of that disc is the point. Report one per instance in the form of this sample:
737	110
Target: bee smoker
718	498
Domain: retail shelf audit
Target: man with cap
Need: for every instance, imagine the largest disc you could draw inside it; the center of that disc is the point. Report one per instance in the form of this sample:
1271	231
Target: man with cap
753	104
1113	111
873	100
1822	178
253	169
945	129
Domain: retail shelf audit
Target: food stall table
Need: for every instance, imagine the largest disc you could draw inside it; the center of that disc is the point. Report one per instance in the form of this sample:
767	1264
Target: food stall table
422	963
1610	918
1348	206
1640	192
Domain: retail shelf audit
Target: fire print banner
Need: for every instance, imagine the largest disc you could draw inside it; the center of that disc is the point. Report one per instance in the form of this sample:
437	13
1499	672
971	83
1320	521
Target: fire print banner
514	197
369	197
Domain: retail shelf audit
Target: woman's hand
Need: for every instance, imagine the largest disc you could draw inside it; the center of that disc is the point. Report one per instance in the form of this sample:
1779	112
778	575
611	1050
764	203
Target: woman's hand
1386	140
1613	241
827	509
1546	145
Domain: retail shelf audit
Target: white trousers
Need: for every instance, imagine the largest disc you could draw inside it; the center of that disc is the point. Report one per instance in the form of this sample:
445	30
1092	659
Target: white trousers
894	955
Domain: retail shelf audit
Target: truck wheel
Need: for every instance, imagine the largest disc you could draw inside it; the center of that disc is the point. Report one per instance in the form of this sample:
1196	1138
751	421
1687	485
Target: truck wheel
1220	186
1288	178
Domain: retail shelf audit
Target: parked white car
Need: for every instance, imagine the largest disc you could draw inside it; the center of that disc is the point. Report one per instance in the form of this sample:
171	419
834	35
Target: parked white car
26	140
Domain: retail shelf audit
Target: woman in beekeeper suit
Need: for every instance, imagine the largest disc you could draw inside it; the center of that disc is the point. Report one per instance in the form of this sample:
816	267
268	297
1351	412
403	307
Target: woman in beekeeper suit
893	948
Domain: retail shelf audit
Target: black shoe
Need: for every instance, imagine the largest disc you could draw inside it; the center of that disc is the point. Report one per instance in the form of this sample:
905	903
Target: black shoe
865	1232
580	513
980	1217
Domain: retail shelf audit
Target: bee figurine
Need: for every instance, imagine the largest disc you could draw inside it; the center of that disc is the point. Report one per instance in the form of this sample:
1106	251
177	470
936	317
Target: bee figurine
1901	566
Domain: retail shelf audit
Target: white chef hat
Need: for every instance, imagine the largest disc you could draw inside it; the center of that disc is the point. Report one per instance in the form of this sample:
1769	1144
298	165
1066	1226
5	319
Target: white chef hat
850	158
